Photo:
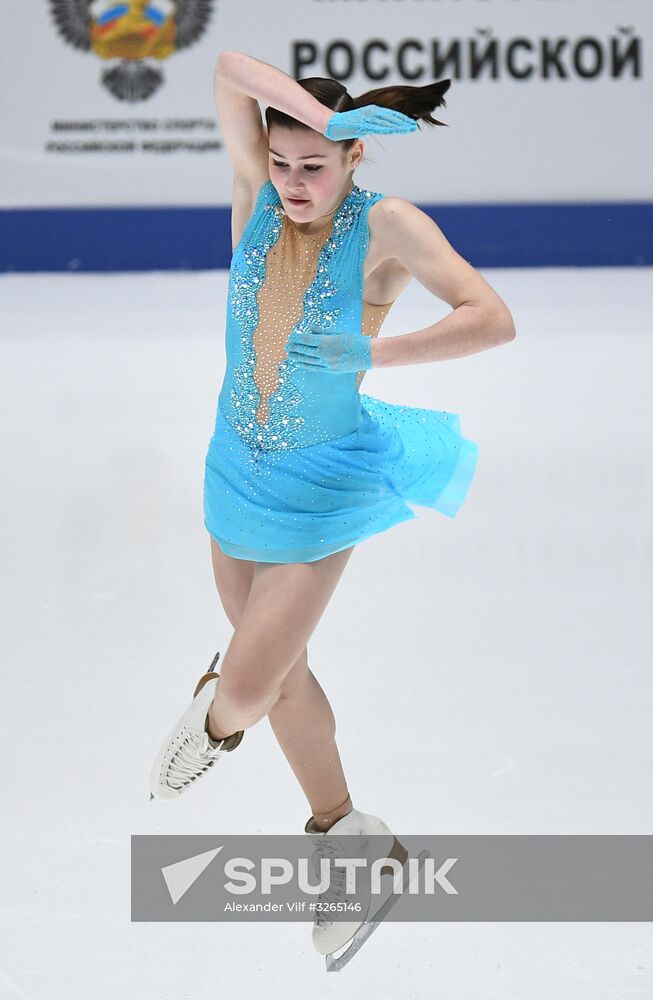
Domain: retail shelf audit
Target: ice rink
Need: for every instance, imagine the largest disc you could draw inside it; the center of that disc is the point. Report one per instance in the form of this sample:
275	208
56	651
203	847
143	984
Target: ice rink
489	674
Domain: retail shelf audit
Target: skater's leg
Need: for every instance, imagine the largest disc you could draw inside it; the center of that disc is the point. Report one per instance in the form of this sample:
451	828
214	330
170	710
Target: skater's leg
304	724
301	717
284	605
233	578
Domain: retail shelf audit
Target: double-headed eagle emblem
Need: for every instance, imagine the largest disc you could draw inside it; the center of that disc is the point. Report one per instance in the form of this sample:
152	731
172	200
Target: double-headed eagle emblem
133	31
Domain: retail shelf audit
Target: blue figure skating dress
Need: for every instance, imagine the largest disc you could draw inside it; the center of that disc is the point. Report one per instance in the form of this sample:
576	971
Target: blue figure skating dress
301	464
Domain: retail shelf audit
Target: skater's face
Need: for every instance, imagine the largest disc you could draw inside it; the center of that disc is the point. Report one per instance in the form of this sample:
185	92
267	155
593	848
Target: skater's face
306	166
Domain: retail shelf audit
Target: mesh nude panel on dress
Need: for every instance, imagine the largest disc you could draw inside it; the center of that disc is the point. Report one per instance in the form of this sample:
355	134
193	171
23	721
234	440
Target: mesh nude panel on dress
291	266
373	317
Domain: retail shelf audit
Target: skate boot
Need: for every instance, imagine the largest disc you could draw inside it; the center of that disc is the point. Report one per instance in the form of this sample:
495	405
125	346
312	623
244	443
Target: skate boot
329	935
189	751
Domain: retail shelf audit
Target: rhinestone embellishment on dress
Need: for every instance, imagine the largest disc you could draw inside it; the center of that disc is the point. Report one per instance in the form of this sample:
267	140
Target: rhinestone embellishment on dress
281	430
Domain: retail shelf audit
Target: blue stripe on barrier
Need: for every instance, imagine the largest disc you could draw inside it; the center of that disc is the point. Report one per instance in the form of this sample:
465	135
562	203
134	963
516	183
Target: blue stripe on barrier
560	234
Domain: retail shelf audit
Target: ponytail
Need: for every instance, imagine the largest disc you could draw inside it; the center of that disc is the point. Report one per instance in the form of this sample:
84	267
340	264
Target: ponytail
416	102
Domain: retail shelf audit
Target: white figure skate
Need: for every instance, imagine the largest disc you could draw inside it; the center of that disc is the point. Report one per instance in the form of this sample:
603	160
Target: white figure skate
329	935
188	750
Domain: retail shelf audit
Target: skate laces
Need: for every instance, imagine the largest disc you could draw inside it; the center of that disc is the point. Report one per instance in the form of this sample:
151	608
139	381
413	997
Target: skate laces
327	849
192	757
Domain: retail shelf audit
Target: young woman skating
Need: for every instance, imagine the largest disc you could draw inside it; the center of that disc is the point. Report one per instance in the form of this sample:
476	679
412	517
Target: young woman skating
302	466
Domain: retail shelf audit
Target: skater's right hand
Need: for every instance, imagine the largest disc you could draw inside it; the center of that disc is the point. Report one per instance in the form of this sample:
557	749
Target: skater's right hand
371	119
333	352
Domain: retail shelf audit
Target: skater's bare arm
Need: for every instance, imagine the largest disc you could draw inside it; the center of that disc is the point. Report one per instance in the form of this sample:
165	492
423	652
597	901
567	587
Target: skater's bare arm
480	318
240	81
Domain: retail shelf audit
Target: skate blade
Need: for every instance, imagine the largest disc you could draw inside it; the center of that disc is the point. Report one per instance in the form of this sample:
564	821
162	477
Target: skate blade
210	675
335	962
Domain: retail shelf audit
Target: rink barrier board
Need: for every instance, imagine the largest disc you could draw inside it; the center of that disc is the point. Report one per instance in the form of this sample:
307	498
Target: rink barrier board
172	238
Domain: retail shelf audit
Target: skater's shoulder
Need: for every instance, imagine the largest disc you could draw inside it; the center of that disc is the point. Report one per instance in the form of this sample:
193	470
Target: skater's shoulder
391	214
390	207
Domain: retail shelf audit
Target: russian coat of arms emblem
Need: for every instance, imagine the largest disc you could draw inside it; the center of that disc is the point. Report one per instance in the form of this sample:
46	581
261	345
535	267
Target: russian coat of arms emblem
133	35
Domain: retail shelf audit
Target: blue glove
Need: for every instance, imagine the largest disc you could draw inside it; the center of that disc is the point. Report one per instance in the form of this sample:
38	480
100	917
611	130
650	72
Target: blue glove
371	119
333	352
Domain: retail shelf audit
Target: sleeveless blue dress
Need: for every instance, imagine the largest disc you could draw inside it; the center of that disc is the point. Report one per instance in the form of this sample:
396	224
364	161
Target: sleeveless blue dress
316	466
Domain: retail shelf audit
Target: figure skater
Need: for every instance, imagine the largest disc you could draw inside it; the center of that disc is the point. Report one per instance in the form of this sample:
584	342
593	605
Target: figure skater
302	466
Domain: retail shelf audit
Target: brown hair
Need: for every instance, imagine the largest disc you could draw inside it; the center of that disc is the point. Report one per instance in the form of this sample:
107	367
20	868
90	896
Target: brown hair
416	102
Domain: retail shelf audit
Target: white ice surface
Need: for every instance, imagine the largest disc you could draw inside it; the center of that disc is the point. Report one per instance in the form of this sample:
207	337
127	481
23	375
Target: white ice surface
489	674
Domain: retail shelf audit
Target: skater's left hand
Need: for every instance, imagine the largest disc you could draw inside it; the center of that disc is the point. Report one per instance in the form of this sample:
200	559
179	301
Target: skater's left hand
335	352
371	119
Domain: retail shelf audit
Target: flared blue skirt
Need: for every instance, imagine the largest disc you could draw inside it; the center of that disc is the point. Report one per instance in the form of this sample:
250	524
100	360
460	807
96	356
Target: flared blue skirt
306	503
